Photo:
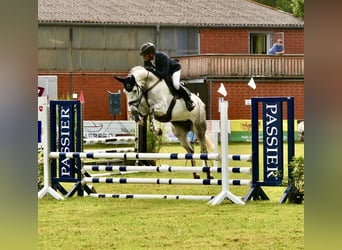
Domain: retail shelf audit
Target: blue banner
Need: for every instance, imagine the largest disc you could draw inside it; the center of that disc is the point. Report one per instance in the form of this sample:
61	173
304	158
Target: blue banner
115	103
273	142
66	139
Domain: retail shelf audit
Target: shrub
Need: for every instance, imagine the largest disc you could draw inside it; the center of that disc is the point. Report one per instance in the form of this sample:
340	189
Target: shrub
154	142
297	180
40	170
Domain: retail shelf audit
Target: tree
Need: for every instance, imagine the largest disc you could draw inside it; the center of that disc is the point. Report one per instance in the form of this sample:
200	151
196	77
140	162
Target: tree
298	8
295	7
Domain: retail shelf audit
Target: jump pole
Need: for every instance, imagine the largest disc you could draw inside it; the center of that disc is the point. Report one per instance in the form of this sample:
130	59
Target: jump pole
225	193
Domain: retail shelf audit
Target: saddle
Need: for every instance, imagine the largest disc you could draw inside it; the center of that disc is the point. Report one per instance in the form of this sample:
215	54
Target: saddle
167	116
177	94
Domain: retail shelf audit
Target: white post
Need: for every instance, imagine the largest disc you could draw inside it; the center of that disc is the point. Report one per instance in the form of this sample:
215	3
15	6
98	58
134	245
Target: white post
215	141
46	160
225	193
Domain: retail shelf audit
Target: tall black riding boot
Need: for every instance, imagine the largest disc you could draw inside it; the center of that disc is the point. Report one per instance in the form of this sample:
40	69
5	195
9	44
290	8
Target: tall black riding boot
186	95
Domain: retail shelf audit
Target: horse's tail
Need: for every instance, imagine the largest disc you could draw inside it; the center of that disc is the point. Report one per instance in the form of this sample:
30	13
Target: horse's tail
208	142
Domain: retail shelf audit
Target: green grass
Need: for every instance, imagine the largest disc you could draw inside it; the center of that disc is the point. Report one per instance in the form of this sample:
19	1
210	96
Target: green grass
91	223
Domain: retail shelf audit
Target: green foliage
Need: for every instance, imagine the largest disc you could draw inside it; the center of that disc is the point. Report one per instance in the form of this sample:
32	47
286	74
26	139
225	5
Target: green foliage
296	193
295	7
284	5
298	8
40	170
297	165
154	142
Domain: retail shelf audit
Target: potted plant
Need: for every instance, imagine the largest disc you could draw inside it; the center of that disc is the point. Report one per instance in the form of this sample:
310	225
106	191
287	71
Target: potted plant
296	194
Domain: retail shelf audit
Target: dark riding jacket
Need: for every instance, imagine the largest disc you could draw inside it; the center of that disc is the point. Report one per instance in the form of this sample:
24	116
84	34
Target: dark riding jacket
164	65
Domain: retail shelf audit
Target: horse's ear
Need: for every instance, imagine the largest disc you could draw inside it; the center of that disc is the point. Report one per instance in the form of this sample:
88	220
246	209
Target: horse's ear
120	79
128	82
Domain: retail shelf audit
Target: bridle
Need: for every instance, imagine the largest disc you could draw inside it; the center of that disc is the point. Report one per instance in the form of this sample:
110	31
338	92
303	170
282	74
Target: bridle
142	93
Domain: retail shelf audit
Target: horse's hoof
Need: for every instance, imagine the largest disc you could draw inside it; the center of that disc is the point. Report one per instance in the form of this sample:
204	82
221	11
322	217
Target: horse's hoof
210	177
136	117
197	176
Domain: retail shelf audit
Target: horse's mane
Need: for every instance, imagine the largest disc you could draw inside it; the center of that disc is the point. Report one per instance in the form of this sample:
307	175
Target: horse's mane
137	70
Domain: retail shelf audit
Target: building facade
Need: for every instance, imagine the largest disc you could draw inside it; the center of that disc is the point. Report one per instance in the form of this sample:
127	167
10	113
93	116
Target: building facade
86	50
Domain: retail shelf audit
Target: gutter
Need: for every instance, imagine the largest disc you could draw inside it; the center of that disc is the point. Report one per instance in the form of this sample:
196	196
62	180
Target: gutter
232	26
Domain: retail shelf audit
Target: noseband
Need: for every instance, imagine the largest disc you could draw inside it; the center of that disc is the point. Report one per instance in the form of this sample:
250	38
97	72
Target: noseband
137	102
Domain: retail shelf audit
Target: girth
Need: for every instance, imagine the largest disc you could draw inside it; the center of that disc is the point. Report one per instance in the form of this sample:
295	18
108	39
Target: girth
167	116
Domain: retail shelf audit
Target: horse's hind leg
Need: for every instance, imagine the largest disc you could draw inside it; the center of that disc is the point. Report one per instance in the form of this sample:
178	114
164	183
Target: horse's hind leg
180	130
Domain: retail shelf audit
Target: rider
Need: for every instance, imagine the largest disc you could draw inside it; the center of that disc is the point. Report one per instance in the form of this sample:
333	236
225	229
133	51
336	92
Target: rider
163	66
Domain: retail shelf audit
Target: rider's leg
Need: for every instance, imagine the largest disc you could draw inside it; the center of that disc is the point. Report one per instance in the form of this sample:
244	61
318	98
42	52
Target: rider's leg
186	95
176	79
184	92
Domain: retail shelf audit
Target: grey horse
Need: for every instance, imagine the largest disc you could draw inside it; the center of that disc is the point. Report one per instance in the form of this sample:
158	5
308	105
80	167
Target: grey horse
149	95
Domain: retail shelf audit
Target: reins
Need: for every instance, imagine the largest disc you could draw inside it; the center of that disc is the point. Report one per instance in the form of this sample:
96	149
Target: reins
144	92
147	90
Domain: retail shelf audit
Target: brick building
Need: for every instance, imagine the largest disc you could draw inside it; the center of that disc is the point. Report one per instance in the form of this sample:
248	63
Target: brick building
85	43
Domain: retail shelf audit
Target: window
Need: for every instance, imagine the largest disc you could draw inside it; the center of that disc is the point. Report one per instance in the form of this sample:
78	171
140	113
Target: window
178	41
261	42
107	48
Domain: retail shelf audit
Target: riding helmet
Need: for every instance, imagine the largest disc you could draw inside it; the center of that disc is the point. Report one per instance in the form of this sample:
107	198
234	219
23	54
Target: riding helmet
147	48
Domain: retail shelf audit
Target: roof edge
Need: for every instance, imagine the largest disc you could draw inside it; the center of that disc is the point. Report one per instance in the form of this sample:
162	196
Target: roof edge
77	23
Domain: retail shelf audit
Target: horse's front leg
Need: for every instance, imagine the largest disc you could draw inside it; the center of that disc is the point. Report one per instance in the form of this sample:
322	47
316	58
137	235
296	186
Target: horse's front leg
153	128
136	116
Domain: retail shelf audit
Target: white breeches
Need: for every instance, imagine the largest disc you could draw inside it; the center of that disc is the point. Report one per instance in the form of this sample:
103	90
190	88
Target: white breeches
176	79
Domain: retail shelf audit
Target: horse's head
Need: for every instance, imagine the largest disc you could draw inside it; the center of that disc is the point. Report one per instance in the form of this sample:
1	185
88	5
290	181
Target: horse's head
134	87
138	76
132	91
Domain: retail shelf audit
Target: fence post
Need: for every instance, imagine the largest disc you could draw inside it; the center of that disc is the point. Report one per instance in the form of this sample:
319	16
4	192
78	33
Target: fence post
225	193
